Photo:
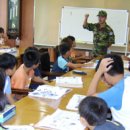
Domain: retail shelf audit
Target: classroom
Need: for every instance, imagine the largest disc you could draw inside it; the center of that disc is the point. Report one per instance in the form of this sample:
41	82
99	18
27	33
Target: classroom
64	64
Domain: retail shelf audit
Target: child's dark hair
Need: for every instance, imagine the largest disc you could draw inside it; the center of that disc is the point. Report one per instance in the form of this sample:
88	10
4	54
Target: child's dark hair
2	79
93	110
64	47
31	57
117	65
7	61
3	101
72	38
69	40
1	30
33	48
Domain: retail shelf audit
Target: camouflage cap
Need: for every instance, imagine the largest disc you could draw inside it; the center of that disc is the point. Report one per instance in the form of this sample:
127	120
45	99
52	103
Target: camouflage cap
102	13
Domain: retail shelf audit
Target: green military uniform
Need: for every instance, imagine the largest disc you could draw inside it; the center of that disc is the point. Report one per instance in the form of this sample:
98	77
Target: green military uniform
103	37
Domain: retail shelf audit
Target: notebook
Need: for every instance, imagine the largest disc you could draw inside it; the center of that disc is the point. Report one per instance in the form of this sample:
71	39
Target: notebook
49	92
61	120
75	101
72	82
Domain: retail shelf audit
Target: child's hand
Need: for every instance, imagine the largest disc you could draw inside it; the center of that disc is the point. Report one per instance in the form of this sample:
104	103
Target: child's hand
105	65
45	82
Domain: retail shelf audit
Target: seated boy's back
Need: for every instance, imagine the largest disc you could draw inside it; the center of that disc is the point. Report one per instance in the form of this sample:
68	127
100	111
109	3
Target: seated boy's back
21	79
60	65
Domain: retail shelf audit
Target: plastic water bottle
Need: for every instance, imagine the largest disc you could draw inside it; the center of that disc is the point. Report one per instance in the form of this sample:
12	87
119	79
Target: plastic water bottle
17	42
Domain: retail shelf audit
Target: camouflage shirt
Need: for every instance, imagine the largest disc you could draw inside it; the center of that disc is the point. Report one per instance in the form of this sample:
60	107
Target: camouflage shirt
103	38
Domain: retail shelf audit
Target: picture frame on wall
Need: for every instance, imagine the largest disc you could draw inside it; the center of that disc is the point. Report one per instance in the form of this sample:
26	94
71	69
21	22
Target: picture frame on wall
13	22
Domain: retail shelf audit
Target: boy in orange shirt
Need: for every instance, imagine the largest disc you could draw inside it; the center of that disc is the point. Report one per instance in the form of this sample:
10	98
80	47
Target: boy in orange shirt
23	75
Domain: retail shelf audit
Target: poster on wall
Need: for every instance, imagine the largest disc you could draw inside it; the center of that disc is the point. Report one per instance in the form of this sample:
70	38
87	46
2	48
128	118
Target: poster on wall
13	30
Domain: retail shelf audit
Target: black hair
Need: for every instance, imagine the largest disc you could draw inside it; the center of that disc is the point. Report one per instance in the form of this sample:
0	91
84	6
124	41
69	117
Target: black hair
64	47
69	40
31	57
65	39
93	110
72	38
1	30
7	61
2	79
117	65
3	101
33	48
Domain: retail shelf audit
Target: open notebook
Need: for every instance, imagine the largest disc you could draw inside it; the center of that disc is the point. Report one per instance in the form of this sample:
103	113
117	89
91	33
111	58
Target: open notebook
72	82
49	92
61	120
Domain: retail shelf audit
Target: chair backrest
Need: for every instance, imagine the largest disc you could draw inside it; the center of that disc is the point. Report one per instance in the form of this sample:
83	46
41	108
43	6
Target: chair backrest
57	52
44	61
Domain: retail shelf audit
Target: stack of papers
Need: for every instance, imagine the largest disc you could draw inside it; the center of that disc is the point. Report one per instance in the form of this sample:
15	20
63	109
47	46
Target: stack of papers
73	82
61	120
75	101
8	50
49	92
19	127
126	73
126	64
94	64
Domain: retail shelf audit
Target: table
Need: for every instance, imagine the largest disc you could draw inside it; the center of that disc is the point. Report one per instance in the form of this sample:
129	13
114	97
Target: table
31	110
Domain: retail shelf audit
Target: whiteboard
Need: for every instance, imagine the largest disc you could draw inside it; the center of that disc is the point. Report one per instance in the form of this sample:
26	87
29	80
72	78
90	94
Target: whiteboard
73	17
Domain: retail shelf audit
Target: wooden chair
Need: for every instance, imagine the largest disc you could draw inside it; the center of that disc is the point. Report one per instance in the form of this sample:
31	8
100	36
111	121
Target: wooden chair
44	66
21	91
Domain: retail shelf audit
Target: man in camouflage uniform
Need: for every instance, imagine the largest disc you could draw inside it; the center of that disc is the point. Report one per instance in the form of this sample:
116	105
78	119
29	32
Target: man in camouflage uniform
103	34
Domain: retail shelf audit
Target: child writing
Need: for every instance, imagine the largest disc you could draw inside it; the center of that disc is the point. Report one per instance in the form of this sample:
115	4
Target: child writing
63	64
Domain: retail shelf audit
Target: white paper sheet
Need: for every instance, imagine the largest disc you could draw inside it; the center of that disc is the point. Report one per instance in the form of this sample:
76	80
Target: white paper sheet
74	102
19	127
73	82
93	66
49	92
7	50
61	120
126	64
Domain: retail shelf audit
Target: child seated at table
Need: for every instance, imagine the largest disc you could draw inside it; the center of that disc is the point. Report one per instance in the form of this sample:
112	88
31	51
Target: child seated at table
3	38
93	115
8	63
70	40
3	101
3	97
111	70
37	79
63	64
25	73
74	57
